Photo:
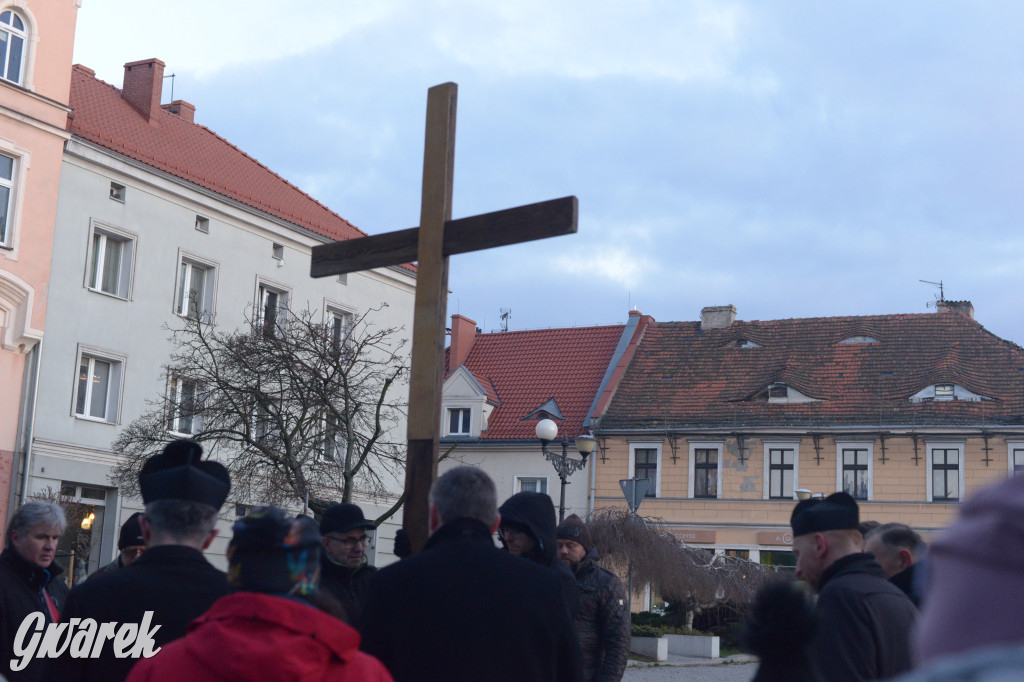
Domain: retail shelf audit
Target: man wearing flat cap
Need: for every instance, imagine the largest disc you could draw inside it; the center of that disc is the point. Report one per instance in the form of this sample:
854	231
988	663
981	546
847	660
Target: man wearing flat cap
130	546
172	579
863	620
345	569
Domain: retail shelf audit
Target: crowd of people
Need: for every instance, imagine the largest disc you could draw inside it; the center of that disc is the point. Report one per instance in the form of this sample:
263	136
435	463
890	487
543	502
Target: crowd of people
300	600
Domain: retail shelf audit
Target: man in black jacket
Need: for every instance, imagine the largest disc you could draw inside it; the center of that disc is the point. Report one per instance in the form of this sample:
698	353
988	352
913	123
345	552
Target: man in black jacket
130	546
30	581
898	549
462	609
171	579
602	624
528	529
864	621
345	572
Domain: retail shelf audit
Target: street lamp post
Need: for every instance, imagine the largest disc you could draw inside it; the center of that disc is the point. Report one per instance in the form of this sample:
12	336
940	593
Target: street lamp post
547	431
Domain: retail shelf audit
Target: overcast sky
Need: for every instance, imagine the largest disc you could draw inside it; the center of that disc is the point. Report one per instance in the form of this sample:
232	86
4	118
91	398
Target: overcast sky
795	159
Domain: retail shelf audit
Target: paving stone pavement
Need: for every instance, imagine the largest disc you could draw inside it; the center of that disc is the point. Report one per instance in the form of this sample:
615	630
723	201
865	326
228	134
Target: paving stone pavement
732	669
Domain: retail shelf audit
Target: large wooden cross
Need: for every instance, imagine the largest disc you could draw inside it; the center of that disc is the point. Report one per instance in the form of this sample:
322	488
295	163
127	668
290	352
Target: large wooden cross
437	237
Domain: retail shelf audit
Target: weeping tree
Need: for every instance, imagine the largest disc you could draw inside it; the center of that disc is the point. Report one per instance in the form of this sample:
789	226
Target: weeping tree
697	578
301	411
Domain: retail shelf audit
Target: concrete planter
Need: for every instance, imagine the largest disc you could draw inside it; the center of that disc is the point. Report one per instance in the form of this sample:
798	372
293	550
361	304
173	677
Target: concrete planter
651	647
692	645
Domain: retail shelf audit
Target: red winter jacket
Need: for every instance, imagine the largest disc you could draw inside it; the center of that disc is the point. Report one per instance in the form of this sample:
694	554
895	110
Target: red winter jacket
251	636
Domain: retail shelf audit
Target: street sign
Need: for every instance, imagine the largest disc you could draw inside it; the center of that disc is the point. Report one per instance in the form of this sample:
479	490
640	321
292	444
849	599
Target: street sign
635	490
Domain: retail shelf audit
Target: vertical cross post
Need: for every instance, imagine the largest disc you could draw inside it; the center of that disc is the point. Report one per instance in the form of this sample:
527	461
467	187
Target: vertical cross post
424	424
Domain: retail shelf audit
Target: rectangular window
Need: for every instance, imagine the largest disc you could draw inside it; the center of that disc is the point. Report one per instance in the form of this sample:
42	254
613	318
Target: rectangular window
184	406
340	323
272	305
117	192
781	473
531	484
334	440
943	390
855	472
459	421
203	224
194	296
705	472
738	553
646	466
1018	461
98	387
945	474
109	265
6	201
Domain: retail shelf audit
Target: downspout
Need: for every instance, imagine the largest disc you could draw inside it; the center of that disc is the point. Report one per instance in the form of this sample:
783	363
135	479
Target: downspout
593	482
28	425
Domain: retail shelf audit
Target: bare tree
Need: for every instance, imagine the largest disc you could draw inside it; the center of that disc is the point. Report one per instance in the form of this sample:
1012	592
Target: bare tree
300	411
698	578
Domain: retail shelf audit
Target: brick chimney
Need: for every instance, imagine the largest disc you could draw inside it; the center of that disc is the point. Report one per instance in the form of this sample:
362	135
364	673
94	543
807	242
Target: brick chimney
717	317
965	308
463	336
143	85
180	107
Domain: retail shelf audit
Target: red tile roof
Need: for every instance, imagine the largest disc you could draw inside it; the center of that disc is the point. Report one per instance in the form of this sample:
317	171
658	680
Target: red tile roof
527	368
194	153
684	376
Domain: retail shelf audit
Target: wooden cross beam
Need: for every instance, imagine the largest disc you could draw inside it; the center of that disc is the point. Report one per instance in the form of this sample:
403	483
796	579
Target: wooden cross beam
430	245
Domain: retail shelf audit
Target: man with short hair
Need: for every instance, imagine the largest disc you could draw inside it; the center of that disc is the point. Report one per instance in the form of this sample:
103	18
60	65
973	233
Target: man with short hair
898	549
30	581
130	546
171	579
864	621
602	623
345	569
462	609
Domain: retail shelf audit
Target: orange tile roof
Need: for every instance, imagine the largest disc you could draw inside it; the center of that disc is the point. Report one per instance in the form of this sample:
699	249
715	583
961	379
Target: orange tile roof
684	376
525	369
193	153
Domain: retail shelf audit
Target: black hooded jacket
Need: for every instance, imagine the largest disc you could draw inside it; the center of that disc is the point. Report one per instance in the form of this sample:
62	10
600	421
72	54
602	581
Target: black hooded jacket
603	624
536	513
21	593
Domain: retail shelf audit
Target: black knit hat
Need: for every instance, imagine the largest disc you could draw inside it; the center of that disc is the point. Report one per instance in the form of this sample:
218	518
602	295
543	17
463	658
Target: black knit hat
273	553
131	532
574	529
342	518
838	511
178	474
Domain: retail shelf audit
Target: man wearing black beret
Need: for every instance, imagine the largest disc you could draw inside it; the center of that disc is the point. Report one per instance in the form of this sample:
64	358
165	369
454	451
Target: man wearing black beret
130	546
864	621
172	579
346	570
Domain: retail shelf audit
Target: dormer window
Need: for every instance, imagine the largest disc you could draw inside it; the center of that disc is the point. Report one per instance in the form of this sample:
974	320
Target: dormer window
943	391
783	393
745	343
778	392
459	421
859	340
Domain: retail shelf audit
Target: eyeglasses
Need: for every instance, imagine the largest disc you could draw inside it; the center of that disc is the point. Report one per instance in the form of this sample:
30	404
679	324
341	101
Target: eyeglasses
350	543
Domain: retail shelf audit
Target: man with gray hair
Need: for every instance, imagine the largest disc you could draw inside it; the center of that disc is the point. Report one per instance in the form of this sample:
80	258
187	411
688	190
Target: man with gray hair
462	609
30	581
898	549
172	579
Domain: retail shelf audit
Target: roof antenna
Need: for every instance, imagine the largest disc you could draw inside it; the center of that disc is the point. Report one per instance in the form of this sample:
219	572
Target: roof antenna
939	298
506	313
171	76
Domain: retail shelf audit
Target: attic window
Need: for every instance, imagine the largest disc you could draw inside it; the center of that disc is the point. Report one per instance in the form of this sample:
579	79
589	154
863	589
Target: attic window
117	192
278	252
943	391
203	224
946	392
778	392
859	339
745	343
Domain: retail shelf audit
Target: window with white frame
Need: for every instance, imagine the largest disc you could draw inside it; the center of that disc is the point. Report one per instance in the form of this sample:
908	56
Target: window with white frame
1016	458
459	421
644	462
705	468
854	469
13	40
340	327
183	403
194	292
272	308
6	199
109	265
334	438
98	386
781	466
945	472
266	425
531	484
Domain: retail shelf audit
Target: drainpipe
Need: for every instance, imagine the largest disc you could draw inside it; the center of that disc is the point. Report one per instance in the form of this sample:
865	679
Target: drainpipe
28	425
593	482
